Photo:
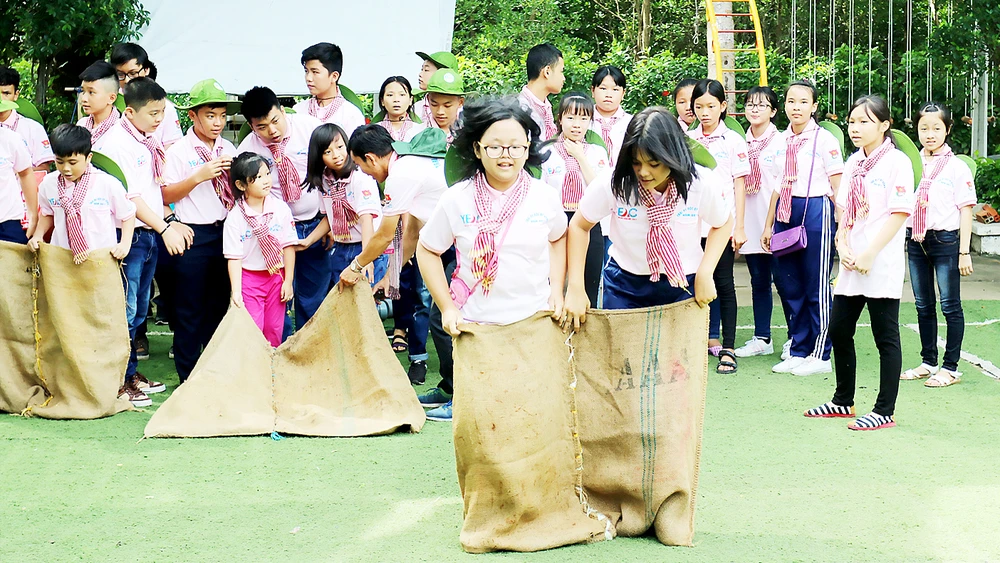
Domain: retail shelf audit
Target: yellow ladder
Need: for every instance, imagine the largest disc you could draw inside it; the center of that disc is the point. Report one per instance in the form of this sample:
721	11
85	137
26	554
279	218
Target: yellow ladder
718	50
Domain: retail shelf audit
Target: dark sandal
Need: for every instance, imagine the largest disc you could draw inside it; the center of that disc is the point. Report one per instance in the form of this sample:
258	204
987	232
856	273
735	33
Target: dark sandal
727	363
399	343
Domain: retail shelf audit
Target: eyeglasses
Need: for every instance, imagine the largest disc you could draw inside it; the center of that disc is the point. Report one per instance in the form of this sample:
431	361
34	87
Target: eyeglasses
131	75
758	106
496	151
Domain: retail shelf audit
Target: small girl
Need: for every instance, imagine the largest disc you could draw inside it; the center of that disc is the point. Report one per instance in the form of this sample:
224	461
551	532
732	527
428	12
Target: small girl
870	241
937	245
571	166
396	100
708	102
351	206
657	198
258	240
682	102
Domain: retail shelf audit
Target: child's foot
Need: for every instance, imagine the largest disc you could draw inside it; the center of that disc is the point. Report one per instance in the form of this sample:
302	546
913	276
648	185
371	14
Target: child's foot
131	393
146	386
872	421
756	346
142	348
714	346
919	372
830	410
786	366
727	362
943	378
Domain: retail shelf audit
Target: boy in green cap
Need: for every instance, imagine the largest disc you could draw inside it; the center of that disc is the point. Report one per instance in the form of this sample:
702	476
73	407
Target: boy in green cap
444	96
196	181
432	63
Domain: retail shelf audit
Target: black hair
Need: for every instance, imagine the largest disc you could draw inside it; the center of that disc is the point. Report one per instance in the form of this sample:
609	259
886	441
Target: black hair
762	92
371	138
479	115
684	83
576	103
401	80
122	53
258	102
809	86
10	77
319	141
877	107
541	56
100	70
244	169
711	87
67	140
328	55
926	109
141	91
655	132
605	71
151	67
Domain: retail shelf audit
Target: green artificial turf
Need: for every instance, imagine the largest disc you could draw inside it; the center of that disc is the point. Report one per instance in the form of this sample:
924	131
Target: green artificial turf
774	486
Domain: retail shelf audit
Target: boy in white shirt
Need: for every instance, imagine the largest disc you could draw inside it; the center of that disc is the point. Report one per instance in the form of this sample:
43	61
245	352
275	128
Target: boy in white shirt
30	130
545	76
17	180
324	64
99	90
131	61
431	64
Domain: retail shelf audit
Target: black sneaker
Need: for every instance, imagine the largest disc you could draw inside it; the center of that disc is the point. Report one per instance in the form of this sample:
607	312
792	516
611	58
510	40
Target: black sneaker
417	372
142	348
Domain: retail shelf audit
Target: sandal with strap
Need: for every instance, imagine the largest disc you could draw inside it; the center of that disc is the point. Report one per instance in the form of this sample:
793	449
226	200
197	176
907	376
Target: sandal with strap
920	372
726	363
399	343
943	378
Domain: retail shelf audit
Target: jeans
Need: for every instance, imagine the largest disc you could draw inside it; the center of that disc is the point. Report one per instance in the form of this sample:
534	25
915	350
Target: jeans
344	253
885	328
312	279
137	276
722	311
410	312
625	290
442	340
594	265
937	257
760	266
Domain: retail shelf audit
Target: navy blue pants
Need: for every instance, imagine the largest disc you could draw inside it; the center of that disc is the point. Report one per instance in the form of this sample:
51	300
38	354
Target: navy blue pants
312	279
625	290
201	298
763	269
937	257
11	231
804	276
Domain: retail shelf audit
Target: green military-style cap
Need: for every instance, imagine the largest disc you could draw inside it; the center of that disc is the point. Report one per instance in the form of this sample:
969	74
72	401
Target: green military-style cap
441	59
444	81
431	142
209	91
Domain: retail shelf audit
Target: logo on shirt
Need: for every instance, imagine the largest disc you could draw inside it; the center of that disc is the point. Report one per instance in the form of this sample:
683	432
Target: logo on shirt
835	153
388	199
366	193
195	163
99	202
141	160
627	213
537	218
688	212
469	218
968	184
741	156
879	183
45	143
4	161
900	190
436	162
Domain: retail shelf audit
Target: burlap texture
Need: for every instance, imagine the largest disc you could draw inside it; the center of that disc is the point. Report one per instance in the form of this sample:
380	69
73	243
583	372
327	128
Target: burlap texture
640	391
83	341
337	376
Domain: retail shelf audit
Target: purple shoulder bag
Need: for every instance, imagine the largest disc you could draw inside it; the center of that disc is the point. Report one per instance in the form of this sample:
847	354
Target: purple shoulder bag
795	239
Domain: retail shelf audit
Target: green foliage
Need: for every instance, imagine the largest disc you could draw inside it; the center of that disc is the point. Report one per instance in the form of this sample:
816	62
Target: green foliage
988	181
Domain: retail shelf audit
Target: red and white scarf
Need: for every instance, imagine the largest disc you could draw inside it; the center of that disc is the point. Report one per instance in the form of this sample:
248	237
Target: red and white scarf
324	113
754	148
485	261
857	198
72	205
397	135
662	255
155	147
13	121
220	182
395	250
791	176
573	182
607	124
96	132
260	226
342	216
291	190
924	190
425	114
544	110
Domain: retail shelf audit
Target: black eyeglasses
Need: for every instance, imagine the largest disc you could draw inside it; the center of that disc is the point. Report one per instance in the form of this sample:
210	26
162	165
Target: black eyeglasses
758	106
496	151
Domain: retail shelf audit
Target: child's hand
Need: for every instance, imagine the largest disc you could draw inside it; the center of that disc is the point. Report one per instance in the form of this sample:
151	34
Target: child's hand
863	263
33	243
964	264
382	285
286	291
739	239
765	238
120	250
704	288
237	300
213	169
575	149
574	310
847	258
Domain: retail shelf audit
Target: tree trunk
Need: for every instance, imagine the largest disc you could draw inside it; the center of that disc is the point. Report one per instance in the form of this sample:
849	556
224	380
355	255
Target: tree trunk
42	83
645	25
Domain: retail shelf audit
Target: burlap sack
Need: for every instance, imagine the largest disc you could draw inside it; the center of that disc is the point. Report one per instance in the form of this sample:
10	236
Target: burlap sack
83	344
335	377
515	444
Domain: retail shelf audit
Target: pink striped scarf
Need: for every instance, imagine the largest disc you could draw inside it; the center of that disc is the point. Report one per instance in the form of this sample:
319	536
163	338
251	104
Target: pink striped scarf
857	198
791	176
397	135
98	131
342	216
220	182
544	110
607	124
662	255
924	191
155	147
324	113
291	190
573	182
260	226
754	148
72	206
485	260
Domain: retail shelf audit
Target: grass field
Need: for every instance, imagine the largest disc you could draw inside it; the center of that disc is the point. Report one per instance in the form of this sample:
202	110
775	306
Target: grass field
774	485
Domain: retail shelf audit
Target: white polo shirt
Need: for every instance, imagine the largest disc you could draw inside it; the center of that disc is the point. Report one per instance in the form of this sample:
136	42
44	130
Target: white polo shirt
521	287
14	159
363	197
201	206
756	205
348	116
825	161
414	185
300	129
617	134
554	167
104	209
238	242
136	163
889	189
630	224
953	189
34	135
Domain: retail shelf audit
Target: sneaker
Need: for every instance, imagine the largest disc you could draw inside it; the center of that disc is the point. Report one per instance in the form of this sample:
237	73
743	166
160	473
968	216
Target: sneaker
755	347
434	398
440	414
170	354
788	365
830	410
870	421
131	393
142	348
812	366
146	386
786	350
417	372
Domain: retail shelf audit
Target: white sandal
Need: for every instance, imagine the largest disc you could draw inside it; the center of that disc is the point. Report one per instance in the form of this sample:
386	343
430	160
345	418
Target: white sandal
920	372
943	378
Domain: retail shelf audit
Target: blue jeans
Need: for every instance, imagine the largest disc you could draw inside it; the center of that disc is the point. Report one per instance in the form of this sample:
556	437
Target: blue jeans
344	253
937	257
312	279
625	290
137	277
760	266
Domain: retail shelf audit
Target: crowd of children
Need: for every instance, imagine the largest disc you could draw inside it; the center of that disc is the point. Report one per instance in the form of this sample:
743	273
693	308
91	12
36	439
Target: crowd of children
314	197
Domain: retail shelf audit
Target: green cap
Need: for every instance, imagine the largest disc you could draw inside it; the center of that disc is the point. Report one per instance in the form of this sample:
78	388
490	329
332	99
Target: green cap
441	59
7	105
431	142
209	91
444	81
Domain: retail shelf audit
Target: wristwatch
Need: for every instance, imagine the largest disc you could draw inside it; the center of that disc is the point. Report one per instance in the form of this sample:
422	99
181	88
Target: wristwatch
355	267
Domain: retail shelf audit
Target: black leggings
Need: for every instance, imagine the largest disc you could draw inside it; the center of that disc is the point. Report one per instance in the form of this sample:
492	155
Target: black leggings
593	269
724	308
884	314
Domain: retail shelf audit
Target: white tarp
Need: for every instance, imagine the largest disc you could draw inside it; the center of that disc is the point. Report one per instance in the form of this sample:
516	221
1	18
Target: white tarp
250	43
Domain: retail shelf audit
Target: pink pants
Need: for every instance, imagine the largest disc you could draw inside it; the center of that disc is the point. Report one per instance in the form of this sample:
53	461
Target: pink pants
262	298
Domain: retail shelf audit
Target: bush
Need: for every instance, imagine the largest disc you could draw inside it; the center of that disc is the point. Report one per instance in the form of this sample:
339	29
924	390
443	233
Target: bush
988	181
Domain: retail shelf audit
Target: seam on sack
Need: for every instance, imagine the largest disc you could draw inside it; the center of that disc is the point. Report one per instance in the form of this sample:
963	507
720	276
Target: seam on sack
701	430
36	273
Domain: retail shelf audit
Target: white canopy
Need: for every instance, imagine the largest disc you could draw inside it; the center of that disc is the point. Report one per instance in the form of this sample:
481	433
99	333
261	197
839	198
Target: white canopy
249	43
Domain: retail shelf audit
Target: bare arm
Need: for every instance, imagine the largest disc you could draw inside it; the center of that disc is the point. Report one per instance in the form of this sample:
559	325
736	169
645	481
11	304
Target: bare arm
411	233
835	185
964	241
557	276
432	271
740	192
45	223
577	243
29	187
236	280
